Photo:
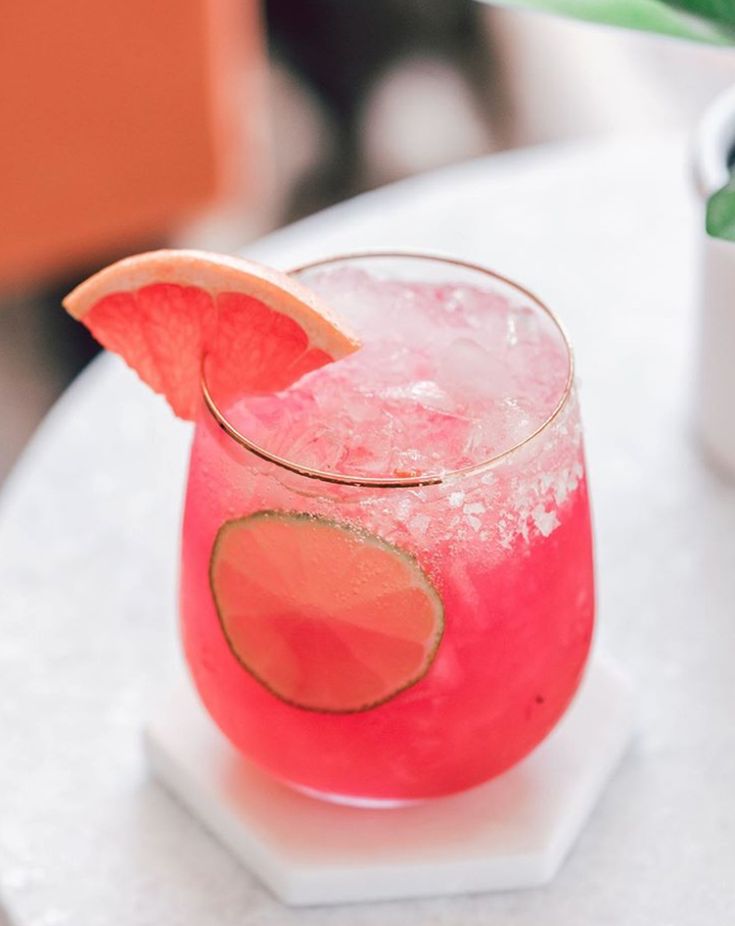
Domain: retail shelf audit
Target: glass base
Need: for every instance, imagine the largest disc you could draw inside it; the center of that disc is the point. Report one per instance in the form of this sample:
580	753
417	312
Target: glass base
353	800
466	844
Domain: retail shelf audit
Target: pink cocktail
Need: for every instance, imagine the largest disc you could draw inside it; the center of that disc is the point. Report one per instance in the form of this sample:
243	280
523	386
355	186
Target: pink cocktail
387	586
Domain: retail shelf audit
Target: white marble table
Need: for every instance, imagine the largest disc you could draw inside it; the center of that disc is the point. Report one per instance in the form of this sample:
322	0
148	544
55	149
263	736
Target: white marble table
88	529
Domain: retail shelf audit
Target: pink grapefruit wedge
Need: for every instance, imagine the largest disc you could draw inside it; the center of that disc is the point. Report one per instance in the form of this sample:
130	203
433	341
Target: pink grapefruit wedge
326	616
163	311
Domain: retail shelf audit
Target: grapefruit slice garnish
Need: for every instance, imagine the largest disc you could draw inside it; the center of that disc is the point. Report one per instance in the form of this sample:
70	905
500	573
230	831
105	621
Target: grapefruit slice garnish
165	310
326	616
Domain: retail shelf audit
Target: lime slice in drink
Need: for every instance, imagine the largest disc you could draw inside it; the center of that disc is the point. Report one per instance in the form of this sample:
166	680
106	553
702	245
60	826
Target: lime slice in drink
326	616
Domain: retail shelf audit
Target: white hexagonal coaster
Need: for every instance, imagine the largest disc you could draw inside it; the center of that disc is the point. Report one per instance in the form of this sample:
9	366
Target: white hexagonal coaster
512	832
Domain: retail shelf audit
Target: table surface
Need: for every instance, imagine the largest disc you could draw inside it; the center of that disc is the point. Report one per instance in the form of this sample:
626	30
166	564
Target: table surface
88	531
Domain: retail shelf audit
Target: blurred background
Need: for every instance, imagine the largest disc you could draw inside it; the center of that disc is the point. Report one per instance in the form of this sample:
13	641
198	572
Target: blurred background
207	123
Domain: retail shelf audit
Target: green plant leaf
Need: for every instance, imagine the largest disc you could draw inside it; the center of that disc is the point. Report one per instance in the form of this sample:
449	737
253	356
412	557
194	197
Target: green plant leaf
710	21
718	11
721	211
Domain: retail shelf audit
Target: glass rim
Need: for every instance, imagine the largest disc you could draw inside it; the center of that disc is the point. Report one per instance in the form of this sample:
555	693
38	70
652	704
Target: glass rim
401	482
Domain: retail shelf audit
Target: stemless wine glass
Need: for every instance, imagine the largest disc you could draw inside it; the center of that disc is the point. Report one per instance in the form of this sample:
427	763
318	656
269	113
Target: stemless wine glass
381	637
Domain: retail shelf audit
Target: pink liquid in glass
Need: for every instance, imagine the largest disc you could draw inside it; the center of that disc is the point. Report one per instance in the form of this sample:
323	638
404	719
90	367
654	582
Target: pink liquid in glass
456	369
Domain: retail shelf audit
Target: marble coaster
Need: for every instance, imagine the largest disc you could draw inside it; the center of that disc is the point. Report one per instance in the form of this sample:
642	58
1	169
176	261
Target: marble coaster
513	832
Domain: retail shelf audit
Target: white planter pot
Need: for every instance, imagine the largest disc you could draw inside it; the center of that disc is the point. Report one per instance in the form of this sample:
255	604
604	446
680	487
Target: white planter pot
715	398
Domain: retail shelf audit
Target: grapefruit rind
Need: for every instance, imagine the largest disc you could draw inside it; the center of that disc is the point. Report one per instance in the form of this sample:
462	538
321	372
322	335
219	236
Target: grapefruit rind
419	580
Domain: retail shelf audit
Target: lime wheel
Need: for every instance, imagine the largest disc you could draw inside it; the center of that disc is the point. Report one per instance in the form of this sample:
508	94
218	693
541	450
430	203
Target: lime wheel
326	616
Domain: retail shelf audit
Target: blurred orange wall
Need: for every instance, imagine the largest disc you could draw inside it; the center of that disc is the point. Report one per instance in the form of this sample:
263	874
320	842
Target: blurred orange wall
118	119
